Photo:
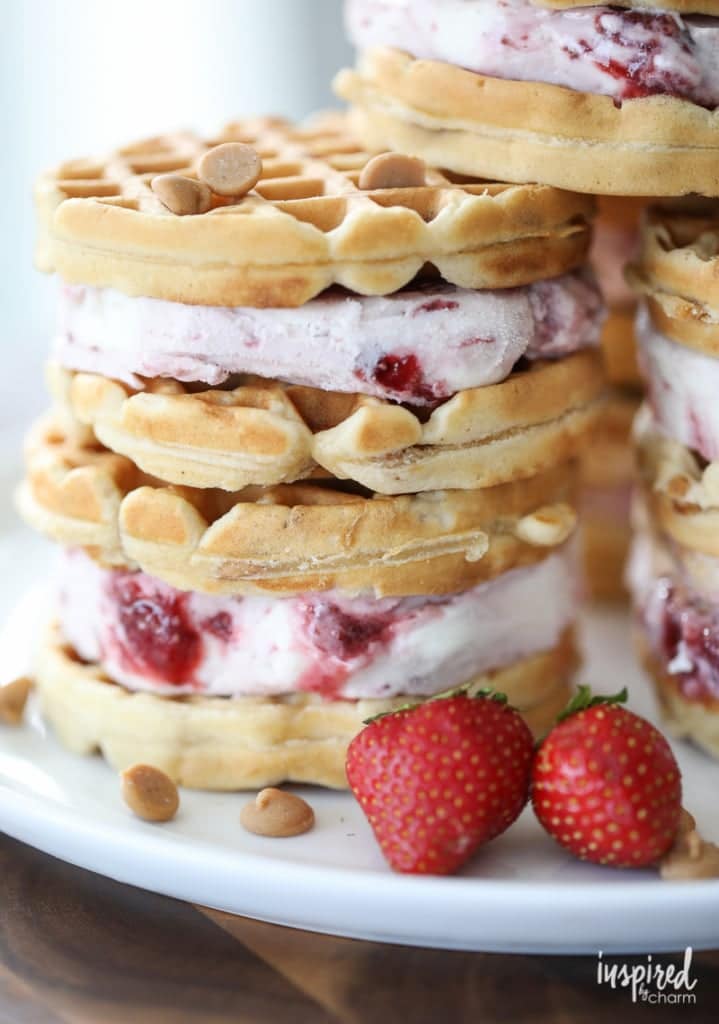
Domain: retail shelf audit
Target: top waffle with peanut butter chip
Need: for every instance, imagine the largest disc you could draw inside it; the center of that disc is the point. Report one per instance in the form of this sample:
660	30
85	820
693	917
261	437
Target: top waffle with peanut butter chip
306	224
677	270
294	537
261	432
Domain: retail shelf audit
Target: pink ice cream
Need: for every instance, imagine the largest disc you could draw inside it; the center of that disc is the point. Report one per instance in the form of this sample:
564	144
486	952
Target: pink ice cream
149	636
418	346
624	54
682	388
680	621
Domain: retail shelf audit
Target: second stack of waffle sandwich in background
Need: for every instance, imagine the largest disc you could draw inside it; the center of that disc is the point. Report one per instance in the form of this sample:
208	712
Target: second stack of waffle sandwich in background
312	449
674	570
607	465
620	102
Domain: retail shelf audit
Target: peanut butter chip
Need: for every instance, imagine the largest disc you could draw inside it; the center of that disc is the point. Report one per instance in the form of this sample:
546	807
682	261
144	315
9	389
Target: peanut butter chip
230	169
13	697
182	195
548	526
690	856
149	793
393	170
277	814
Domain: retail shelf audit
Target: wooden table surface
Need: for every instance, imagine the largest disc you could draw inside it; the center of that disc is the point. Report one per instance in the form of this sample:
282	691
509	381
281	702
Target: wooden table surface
76	948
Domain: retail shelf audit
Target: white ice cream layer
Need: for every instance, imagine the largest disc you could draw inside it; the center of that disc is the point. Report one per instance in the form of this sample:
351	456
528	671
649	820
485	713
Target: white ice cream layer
682	388
149	636
416	346
603	50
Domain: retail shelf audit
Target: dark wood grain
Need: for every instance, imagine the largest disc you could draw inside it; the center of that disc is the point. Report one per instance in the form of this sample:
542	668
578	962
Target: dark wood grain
76	948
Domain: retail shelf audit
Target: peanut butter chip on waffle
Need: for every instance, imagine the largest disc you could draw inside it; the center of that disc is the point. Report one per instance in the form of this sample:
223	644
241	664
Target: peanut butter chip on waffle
182	195
277	814
393	170
149	793
13	697
230	169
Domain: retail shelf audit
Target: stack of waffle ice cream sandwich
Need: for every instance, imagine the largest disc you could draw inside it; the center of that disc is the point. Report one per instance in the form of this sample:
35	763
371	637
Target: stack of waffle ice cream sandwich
320	391
674	571
312	448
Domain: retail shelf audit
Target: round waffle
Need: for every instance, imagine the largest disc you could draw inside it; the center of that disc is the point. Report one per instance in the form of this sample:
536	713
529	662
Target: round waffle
619	348
677	269
682	494
305	226
607	474
532	131
608	460
247	743
294	537
261	432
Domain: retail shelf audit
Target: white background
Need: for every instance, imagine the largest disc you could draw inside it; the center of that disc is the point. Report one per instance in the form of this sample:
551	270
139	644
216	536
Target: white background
78	77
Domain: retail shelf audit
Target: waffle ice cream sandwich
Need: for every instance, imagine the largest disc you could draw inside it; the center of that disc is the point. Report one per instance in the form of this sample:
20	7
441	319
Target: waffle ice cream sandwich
312	447
674	565
613	100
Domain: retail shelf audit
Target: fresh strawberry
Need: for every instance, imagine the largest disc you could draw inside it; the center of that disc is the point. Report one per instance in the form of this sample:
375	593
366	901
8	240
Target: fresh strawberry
606	785
439	779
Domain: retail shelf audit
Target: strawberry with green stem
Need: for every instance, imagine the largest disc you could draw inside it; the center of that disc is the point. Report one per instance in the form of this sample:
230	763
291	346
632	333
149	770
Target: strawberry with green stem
606	785
438	779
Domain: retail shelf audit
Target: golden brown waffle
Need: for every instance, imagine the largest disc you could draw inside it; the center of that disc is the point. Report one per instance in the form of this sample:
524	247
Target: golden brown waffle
250	742
605	549
73	489
681	494
531	131
609	459
265	433
677	269
607	474
304	227
294	537
619	348
696	720
251	434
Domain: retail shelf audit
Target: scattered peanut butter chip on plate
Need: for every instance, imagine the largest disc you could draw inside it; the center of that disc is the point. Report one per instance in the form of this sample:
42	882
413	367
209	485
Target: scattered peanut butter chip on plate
230	169
277	814
149	793
182	195
13	697
690	856
393	170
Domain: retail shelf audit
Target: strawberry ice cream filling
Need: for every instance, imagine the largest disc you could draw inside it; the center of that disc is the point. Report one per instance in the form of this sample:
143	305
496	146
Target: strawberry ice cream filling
625	54
418	346
149	636
682	388
679	621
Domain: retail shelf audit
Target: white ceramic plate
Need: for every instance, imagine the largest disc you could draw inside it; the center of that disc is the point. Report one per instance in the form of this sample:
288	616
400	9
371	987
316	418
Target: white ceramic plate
522	894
